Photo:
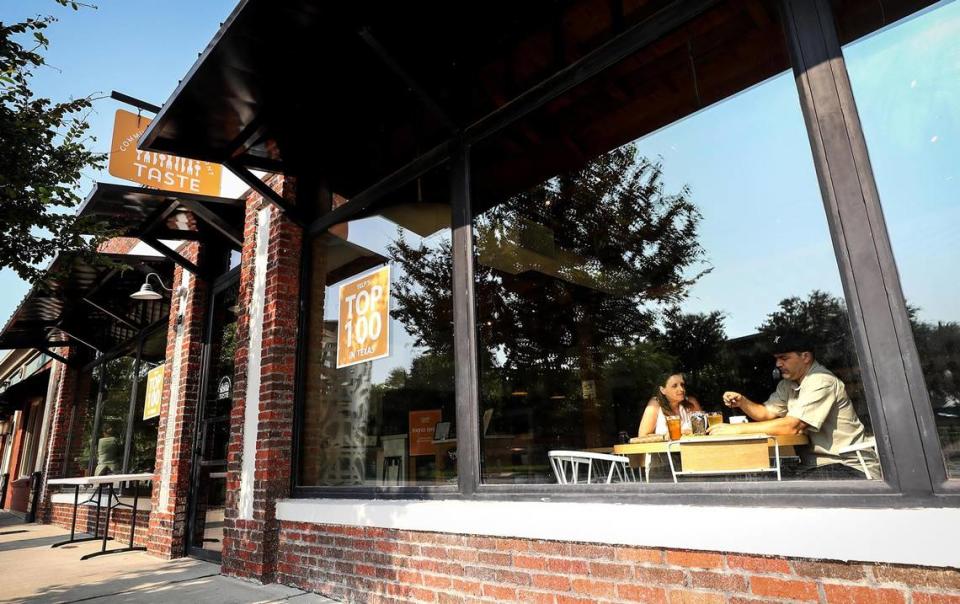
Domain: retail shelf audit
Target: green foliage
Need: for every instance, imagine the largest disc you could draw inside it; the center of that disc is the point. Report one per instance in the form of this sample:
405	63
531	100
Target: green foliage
42	157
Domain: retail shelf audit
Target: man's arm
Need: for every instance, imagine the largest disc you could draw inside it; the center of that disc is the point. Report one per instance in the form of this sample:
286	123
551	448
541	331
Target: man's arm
773	427
754	411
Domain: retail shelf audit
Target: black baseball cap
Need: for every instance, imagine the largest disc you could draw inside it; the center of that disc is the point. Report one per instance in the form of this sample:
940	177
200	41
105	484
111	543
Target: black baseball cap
791	341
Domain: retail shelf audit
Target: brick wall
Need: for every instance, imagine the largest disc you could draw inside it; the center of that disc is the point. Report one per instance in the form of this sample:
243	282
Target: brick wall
250	545
168	537
118	245
356	564
57	456
119	522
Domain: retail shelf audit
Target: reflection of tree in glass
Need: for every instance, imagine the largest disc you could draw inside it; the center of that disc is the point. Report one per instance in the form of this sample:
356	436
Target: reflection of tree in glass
228	350
568	272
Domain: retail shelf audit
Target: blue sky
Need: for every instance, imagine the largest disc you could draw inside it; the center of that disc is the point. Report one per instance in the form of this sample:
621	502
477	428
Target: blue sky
138	47
746	159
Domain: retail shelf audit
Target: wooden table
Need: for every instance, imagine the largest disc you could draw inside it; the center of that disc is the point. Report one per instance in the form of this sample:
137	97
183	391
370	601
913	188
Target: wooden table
786	441
718	454
113	502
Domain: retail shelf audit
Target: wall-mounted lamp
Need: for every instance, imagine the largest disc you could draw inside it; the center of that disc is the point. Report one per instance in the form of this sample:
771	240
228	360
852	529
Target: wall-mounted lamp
146	291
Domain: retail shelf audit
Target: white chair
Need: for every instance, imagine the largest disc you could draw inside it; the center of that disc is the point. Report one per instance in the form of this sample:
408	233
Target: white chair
570	466
868	444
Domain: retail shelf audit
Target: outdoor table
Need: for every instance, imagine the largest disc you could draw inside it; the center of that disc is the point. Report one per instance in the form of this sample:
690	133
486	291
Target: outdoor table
113	502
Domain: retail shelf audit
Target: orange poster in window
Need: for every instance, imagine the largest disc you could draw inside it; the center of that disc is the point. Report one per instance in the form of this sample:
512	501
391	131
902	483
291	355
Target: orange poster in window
422	424
363	333
157	170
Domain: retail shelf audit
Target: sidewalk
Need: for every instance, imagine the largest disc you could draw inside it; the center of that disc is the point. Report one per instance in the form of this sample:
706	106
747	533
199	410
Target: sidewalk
31	571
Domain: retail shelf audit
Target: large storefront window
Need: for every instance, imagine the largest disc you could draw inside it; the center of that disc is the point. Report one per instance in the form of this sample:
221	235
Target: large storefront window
379	405
653	245
111	436
907	85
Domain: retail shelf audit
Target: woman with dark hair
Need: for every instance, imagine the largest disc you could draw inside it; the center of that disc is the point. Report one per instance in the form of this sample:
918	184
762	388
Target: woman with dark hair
670	398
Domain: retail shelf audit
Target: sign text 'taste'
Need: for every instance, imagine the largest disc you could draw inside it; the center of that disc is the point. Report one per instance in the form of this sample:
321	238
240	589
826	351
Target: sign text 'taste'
157	170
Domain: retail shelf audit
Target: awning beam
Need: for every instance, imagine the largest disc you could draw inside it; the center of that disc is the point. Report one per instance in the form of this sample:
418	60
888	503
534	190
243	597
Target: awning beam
173	254
418	167
261	187
73	337
214	220
62	359
120	319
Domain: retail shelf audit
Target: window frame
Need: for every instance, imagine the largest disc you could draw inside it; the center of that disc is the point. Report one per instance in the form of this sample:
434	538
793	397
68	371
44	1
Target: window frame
133	346
894	388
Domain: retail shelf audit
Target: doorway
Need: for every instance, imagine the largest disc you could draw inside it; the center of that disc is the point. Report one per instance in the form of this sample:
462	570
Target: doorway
209	469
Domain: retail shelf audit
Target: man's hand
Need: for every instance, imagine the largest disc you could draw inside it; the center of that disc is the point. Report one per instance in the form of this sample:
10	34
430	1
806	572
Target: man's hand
732	399
725	429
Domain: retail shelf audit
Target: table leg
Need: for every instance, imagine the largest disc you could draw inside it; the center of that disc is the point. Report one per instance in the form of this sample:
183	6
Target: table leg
73	522
96	526
133	527
76	503
106	525
133	513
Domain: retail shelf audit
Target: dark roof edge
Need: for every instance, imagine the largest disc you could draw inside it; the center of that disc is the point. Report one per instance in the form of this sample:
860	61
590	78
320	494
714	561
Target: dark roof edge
150	135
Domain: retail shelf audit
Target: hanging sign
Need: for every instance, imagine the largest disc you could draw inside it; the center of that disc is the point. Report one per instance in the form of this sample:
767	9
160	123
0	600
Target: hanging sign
363	333
422	426
157	170
154	392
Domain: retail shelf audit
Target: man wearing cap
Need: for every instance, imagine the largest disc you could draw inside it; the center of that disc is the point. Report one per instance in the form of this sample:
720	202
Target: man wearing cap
809	399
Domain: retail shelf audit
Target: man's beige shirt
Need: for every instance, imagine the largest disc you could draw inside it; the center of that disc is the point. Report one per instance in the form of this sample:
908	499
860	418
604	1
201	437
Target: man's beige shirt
820	400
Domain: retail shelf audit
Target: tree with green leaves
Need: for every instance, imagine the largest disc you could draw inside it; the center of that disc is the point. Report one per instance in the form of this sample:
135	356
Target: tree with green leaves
43	154
568	274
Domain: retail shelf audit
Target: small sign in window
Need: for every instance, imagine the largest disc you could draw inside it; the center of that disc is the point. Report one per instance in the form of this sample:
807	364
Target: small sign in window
364	329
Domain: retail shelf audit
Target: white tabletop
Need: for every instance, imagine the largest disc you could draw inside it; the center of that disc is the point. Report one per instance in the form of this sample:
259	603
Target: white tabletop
80	480
106	479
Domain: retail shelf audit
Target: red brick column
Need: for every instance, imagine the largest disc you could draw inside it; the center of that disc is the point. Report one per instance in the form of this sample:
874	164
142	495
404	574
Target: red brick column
251	529
175	431
57	458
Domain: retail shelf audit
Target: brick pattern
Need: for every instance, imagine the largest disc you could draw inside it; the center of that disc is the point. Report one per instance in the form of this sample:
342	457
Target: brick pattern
118	245
168	537
57	456
119	523
250	545
356	564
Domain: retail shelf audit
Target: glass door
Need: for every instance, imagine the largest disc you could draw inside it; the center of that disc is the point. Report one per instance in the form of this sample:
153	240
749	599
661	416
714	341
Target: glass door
208	490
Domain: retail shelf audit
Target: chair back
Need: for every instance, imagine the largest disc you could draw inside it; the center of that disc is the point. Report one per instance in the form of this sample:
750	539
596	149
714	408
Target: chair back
588	467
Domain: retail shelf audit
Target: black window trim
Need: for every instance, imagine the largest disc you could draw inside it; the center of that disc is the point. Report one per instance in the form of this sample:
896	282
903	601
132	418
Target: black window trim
901	413
132	346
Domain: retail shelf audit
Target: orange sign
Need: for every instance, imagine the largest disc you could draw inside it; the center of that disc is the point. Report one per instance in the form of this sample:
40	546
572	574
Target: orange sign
157	170
364	330
422	424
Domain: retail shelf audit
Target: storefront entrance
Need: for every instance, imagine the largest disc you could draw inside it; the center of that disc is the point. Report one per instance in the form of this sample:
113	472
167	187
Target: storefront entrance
208	487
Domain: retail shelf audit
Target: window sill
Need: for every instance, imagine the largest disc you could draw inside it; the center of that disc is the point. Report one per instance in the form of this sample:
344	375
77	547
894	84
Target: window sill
891	535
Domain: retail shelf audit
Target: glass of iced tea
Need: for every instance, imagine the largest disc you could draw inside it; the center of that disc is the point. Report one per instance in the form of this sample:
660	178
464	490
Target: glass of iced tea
673	426
714	418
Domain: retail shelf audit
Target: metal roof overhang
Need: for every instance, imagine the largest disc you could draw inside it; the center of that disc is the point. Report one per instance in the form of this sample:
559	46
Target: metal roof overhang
152	215
86	302
361	96
302	86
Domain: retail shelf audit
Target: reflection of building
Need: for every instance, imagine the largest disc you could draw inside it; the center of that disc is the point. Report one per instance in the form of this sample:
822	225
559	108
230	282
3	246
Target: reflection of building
337	453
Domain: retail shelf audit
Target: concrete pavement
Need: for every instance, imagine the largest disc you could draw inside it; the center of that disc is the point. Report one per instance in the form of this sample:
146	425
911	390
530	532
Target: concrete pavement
32	571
